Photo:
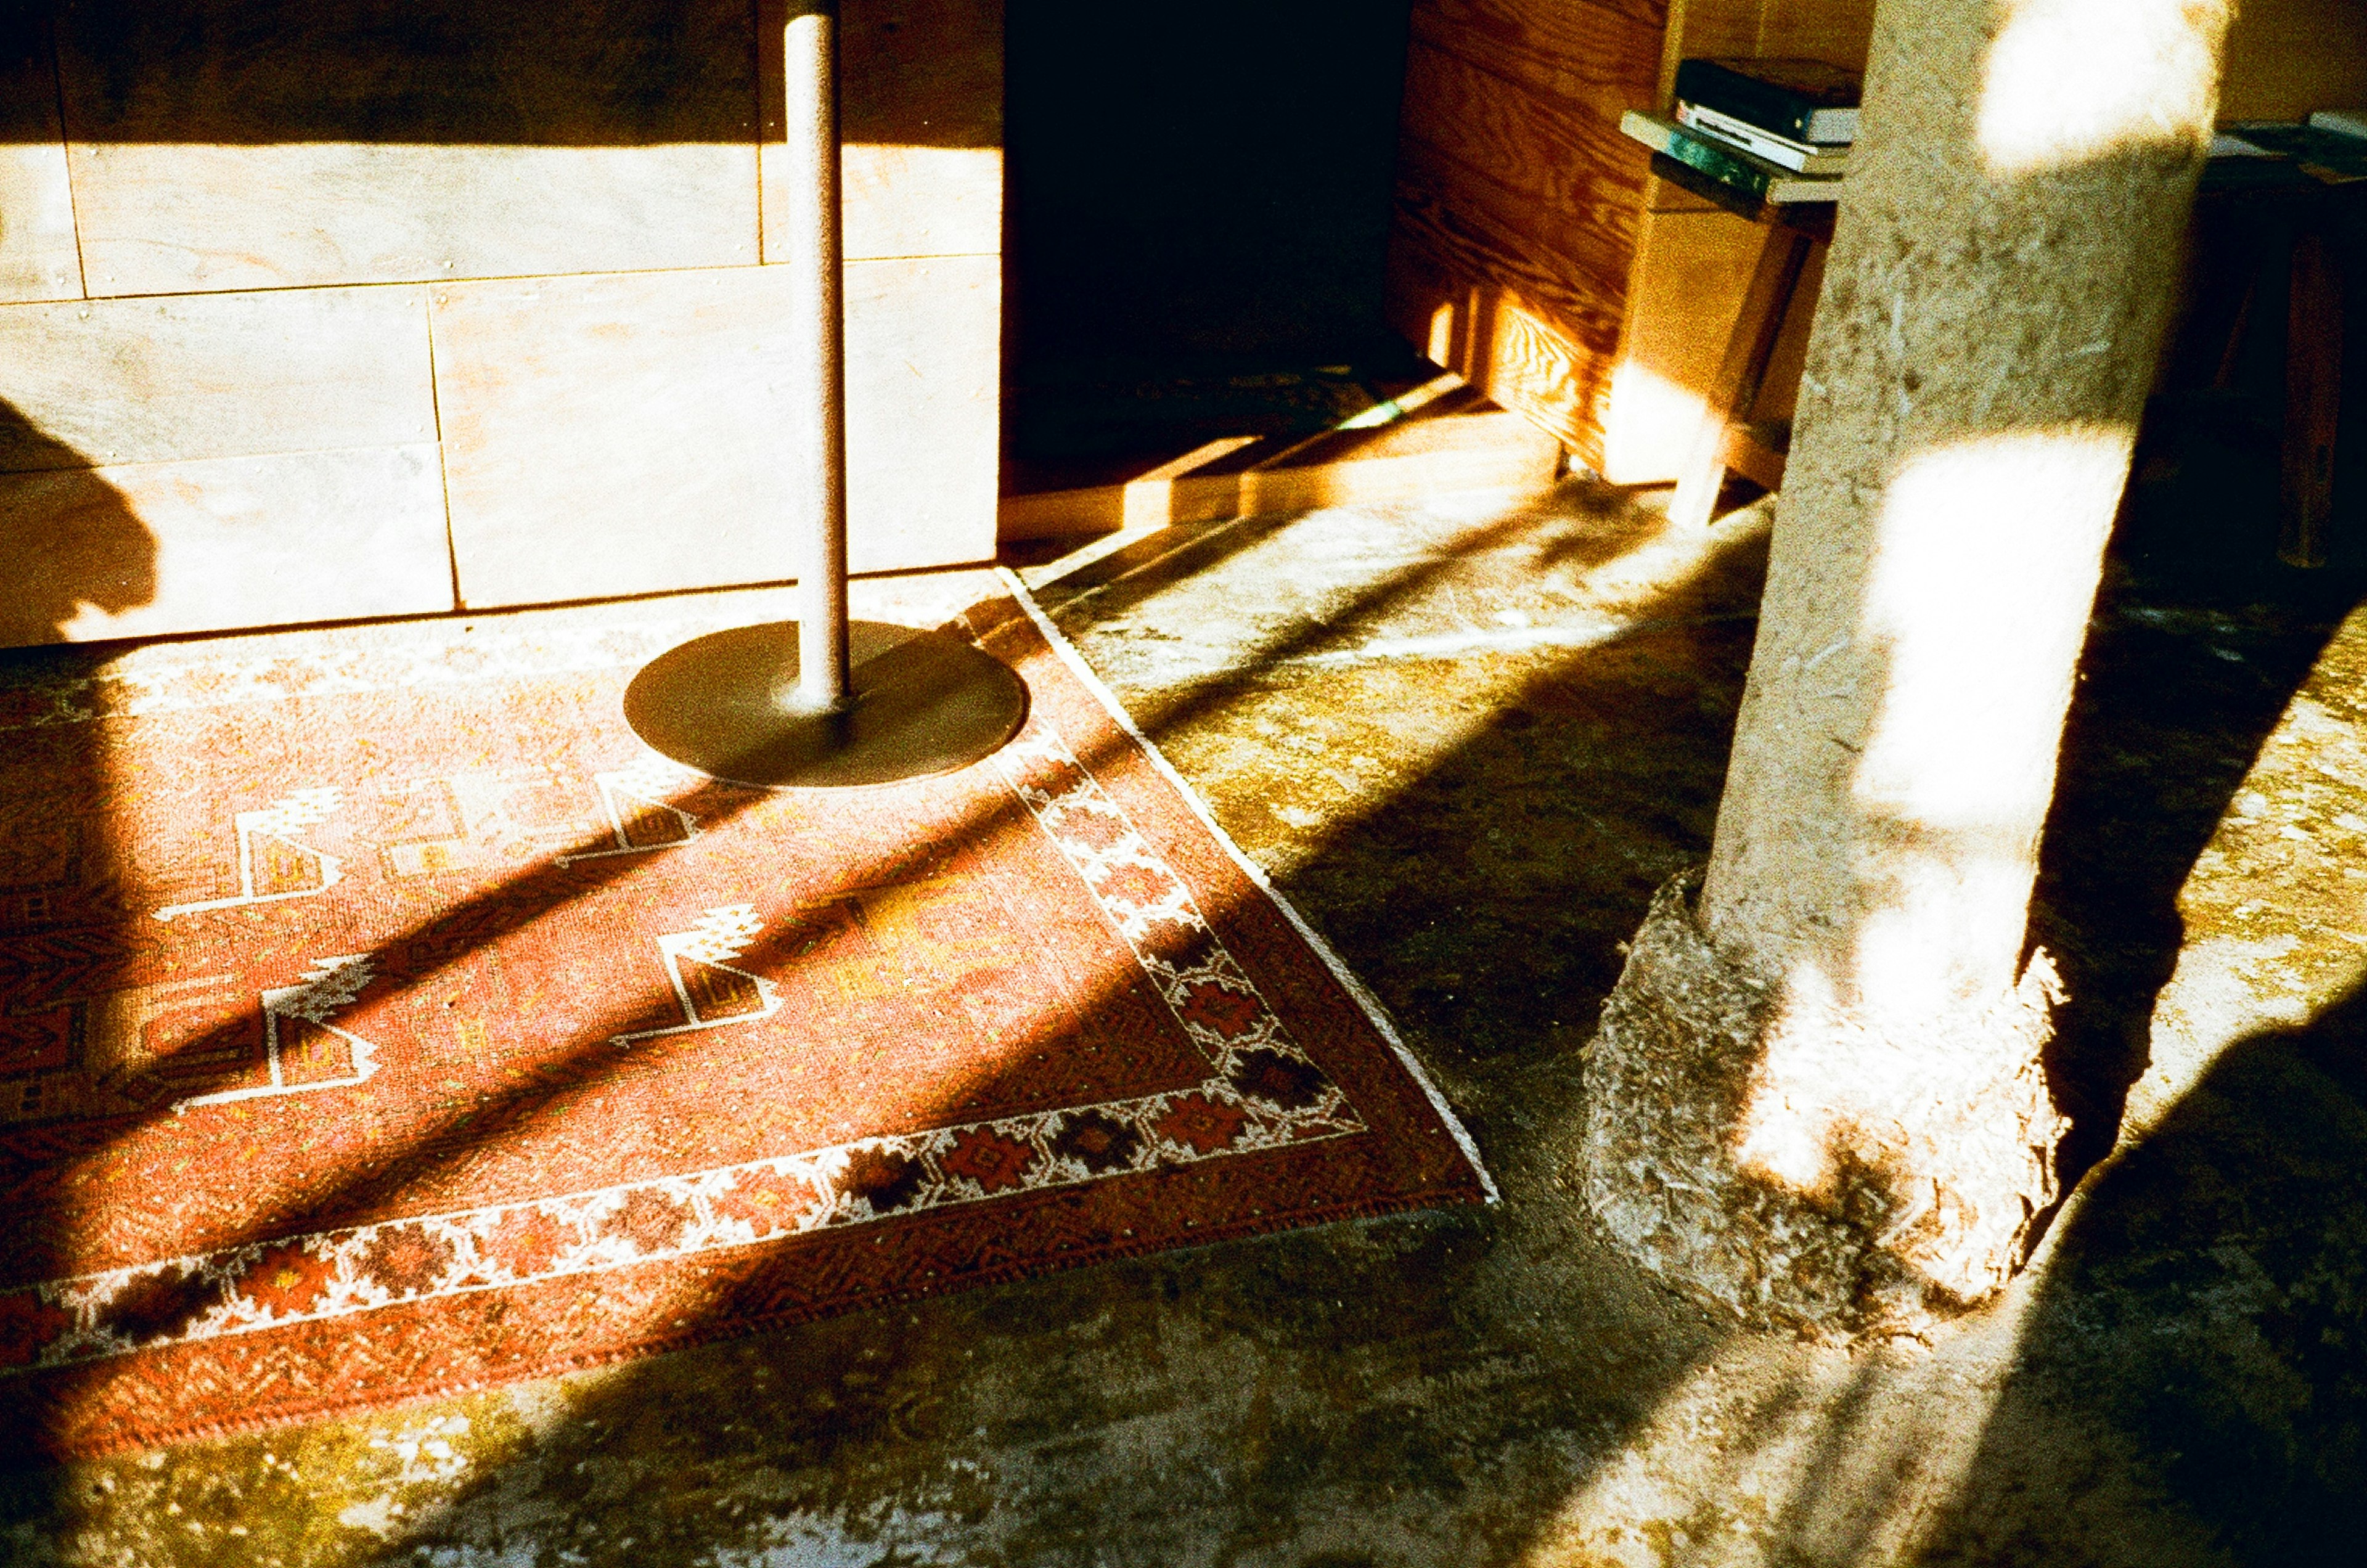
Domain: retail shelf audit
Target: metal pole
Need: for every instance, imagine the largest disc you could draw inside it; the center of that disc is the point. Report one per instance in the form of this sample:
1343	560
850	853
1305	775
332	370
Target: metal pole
810	125
727	704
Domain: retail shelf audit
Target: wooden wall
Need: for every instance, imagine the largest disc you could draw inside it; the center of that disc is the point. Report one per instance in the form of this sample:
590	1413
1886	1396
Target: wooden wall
1517	198
2288	57
304	316
2284	58
1692	260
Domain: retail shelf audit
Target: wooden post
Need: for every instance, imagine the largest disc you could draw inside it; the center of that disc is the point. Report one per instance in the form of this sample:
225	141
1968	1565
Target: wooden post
2312	400
1782	251
1816	1095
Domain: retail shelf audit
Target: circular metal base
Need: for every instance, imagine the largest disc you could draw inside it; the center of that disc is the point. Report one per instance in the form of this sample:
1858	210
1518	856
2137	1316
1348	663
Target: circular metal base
924	703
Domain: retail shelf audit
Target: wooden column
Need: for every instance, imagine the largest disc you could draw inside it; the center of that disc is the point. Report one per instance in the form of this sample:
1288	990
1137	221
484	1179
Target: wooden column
2312	400
1741	372
1817	1096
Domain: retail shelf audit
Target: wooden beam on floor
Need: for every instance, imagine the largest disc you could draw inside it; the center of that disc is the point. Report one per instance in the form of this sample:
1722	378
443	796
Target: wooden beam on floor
1461	449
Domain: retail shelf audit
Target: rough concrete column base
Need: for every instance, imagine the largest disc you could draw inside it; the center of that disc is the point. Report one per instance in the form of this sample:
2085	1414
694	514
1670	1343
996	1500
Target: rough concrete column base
1936	1152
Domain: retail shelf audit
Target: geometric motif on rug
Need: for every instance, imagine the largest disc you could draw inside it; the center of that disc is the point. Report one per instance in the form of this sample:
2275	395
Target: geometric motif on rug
371	1029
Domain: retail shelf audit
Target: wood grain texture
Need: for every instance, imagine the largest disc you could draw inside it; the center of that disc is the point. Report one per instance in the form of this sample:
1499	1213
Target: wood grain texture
115	381
1561	177
1530	334
629	434
38	259
1690	271
1538	369
220	144
920	121
1598	59
1666	195
1488	450
153	548
1517	203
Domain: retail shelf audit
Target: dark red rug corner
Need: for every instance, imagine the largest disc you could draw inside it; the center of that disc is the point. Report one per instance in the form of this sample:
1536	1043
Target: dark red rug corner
388	1022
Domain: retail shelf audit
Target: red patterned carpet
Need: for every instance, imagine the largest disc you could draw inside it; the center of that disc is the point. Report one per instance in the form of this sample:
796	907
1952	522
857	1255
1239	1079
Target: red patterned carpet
389	1023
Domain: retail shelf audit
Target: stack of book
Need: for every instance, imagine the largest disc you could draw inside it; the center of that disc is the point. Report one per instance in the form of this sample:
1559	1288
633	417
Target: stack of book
2330	149
1777	130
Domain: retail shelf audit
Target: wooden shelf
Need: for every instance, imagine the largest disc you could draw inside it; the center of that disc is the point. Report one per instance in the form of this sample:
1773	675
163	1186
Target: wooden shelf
1541	254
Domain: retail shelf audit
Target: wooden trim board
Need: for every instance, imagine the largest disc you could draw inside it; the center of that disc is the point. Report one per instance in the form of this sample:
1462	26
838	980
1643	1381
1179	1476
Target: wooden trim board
1487	449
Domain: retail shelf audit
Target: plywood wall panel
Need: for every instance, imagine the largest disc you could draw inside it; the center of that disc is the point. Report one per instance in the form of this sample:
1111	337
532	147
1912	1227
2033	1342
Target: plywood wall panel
924	410
222	144
110	381
632	434
37	260
1518	200
1565	181
1581	56
1478	303
276	198
922	201
160	219
608	435
153	548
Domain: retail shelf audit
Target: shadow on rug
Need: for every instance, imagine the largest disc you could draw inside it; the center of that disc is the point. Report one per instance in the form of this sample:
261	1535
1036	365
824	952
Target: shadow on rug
386	1023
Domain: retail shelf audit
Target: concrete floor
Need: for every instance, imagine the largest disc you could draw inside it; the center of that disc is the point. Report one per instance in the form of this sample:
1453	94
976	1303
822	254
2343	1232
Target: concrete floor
1469	738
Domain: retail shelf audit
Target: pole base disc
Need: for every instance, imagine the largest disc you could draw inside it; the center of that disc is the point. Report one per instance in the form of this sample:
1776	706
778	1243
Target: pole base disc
924	703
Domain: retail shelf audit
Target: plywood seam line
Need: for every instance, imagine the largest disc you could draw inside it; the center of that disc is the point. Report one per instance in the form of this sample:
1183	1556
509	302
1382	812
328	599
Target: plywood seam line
65	142
511	277
435	422
759	126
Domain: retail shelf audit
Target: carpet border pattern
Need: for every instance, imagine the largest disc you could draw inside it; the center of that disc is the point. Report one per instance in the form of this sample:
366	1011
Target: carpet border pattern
1080	1181
1262	1092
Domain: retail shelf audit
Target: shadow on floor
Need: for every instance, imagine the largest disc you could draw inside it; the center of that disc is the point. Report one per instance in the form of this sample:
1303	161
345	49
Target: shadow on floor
2199	641
2202	1322
72	541
1439	1388
1413	1354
